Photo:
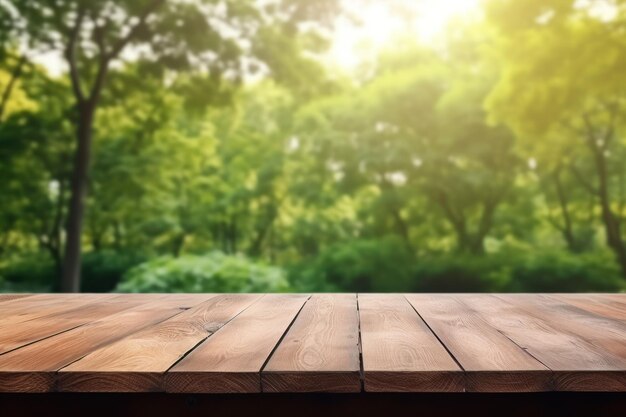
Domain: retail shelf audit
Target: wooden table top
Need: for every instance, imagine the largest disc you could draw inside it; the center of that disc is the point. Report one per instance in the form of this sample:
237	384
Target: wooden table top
251	343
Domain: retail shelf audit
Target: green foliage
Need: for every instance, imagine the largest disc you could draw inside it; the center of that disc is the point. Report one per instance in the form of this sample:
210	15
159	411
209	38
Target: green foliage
553	271
381	265
520	271
385	266
102	271
32	273
214	272
462	273
37	273
493	162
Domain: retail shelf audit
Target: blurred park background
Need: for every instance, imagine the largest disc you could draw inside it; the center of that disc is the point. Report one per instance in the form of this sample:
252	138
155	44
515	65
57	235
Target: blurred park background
312	145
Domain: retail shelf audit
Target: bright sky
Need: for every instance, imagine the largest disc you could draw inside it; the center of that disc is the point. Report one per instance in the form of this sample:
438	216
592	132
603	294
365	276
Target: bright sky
380	21
383	20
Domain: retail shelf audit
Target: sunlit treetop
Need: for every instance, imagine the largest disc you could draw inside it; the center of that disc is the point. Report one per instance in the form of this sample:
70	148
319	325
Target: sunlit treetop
561	60
210	36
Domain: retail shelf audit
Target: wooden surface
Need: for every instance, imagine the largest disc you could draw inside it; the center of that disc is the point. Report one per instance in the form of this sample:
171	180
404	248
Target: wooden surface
491	361
328	343
320	352
232	361
400	352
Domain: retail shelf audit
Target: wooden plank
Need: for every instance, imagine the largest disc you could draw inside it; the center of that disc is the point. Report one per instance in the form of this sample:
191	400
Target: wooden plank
320	352
231	360
621	297
491	361
53	306
605	332
137	363
607	335
400	353
33	368
577	363
13	296
14	335
44	305
595	304
23	304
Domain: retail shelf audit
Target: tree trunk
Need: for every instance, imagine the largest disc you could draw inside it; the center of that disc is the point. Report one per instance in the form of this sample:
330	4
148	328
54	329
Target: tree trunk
55	254
72	261
462	238
568	229
117	236
395	208
257	243
456	219
613	236
178	244
485	225
233	235
611	222
56	238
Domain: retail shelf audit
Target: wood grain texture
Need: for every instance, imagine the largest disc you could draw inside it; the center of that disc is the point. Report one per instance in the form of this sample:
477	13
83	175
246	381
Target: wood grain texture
15	335
400	353
491	361
606	332
44	305
209	343
577	363
608	335
33	368
13	296
612	296
596	304
320	352
231	360
138	362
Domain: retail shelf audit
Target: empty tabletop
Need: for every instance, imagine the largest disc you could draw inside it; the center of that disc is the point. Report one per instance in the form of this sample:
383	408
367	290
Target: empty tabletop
302	343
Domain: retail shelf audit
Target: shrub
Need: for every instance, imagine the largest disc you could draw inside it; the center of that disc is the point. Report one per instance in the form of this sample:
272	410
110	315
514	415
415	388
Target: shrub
214	272
102	271
364	265
386	266
32	273
558	271
520	271
461	273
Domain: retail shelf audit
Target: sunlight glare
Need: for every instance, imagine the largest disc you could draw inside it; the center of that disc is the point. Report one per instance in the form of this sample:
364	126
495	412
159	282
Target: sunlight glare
380	21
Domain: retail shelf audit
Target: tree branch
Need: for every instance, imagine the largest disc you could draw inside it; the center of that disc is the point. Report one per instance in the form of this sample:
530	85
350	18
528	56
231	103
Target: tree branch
589	128
15	75
554	222
613	111
586	184
122	42
96	88
457	219
70	55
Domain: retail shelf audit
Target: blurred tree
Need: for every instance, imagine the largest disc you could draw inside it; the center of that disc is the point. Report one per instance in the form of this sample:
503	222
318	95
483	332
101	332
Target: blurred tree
34	156
563	82
491	159
417	129
179	36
